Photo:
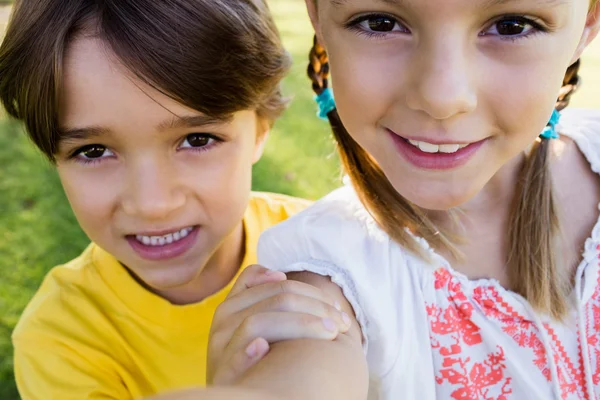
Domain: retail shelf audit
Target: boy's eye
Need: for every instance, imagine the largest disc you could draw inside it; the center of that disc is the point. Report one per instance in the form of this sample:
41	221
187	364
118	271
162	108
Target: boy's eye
511	26
197	140
380	24
92	152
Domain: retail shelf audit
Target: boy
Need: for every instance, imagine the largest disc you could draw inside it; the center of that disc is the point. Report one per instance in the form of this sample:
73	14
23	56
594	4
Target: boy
153	113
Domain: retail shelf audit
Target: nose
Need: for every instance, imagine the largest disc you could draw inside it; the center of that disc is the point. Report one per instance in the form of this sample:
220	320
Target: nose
442	80
153	191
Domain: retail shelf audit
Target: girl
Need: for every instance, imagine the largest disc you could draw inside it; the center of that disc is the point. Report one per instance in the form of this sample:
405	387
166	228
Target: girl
467	248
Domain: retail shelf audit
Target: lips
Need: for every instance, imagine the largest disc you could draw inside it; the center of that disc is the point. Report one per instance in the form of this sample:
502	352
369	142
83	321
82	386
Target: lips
163	246
435	156
162	240
447	148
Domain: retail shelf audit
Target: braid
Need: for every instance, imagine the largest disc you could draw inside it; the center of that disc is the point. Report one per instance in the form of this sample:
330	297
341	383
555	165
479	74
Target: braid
570	85
533	268
318	67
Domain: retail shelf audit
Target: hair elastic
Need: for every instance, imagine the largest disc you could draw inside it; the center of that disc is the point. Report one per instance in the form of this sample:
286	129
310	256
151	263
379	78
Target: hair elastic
326	103
550	130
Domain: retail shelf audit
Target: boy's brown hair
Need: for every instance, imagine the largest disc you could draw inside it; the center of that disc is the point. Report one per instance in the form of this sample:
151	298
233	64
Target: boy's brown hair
215	56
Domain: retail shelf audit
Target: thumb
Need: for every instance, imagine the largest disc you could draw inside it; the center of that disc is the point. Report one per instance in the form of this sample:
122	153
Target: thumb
240	362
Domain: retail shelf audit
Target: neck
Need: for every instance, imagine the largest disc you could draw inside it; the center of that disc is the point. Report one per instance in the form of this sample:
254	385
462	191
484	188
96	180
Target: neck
481	225
496	198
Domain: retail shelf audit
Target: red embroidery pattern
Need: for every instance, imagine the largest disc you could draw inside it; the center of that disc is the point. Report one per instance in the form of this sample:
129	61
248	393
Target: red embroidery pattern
526	335
575	382
453	327
522	331
453	331
593	338
593	335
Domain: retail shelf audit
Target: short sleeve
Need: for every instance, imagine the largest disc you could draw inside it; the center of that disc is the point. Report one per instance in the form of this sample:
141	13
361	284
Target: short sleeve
583	126
337	238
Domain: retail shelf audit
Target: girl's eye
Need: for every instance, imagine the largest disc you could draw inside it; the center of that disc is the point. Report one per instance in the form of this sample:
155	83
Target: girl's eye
378	24
197	140
512	26
93	152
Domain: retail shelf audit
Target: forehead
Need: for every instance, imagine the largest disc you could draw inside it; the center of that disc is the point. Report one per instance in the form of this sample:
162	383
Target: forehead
98	90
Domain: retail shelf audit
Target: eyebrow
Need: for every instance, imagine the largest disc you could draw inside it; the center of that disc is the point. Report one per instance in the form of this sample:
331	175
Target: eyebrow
177	122
546	3
487	4
340	3
192	121
76	134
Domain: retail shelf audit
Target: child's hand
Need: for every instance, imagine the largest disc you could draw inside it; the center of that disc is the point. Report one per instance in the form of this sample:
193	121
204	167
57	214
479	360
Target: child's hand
264	307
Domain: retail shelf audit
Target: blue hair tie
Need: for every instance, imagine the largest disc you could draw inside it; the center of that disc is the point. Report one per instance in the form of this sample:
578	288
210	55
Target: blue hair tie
326	103
550	130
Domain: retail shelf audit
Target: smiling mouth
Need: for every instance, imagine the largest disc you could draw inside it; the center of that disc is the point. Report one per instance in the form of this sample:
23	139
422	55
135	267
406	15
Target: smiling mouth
163	240
432	148
435	156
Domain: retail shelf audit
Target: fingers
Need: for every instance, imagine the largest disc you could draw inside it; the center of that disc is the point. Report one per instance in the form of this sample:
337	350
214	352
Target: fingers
255	275
277	326
281	303
255	294
241	361
299	304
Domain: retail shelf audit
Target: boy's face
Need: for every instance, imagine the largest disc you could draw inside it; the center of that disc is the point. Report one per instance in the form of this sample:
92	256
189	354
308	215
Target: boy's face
158	185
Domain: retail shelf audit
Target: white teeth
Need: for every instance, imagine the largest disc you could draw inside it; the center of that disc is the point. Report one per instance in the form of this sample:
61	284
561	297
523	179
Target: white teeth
165	239
434	148
428	147
449	148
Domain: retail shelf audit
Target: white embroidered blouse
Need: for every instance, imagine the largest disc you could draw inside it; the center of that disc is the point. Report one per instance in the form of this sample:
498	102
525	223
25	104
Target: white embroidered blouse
429	332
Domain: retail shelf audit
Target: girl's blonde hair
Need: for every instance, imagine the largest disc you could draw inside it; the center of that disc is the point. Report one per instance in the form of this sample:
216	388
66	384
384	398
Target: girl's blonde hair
533	269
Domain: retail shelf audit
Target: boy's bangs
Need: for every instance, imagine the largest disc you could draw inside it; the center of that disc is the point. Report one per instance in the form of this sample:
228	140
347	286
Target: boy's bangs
214	56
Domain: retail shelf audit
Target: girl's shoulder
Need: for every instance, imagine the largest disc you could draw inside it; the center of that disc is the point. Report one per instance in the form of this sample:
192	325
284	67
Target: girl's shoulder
583	127
337	238
333	229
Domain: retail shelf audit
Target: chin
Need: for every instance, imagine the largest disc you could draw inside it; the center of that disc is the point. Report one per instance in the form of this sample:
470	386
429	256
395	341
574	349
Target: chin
170	278
436	197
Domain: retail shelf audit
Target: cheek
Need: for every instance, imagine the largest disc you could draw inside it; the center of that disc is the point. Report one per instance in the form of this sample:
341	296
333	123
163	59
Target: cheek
222	182
92	204
367	85
520	99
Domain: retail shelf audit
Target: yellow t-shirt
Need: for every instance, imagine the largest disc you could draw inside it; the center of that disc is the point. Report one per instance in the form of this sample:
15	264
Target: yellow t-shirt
92	332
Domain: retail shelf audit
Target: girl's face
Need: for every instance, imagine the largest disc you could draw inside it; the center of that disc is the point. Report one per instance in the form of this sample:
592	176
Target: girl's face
444	93
156	184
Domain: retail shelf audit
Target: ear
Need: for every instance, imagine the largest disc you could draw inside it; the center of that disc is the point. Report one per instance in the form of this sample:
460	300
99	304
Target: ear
592	27
263	128
313	13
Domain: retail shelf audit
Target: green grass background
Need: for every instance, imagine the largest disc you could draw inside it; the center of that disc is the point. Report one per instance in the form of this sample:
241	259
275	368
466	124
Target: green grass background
38	230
